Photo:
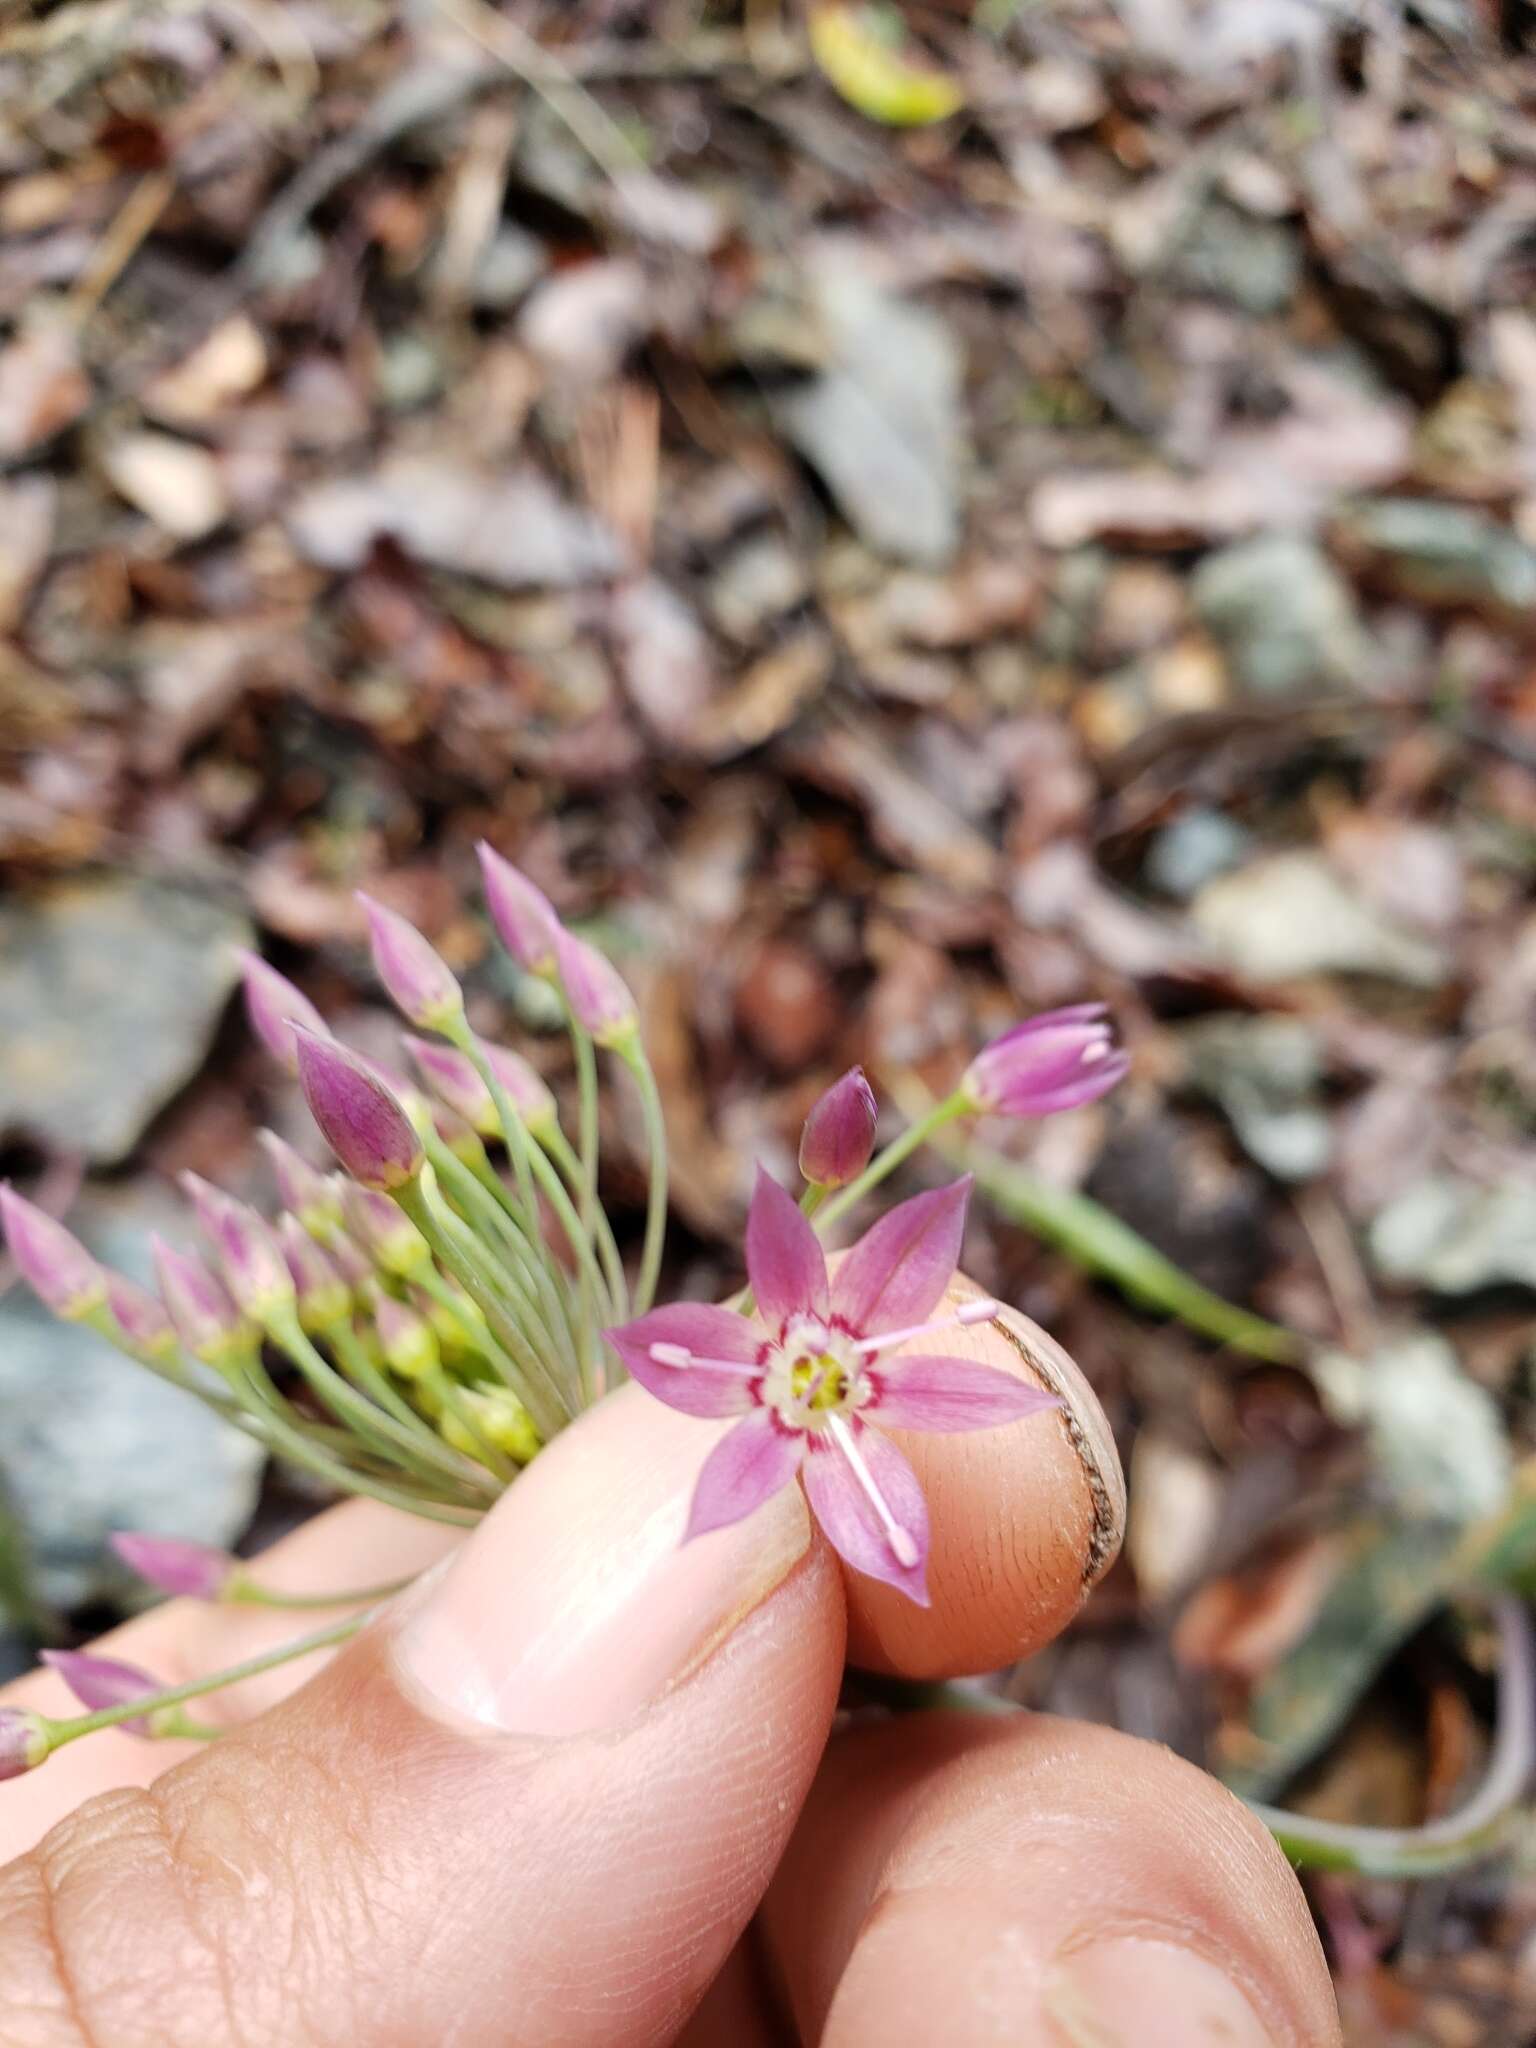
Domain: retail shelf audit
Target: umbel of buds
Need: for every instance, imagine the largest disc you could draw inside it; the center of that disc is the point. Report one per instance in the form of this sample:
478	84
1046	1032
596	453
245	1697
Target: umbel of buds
417	1325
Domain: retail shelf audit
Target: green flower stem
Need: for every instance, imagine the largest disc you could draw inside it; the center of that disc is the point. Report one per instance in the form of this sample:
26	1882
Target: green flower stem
813	1198
289	1441
515	1137
632	1052
244	1592
486	1209
461	1255
886	1162
360	1368
62	1732
1089	1234
557	1145
411	1445
587	1128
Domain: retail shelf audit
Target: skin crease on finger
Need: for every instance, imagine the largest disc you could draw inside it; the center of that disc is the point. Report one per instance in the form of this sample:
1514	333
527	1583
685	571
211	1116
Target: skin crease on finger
1027	1881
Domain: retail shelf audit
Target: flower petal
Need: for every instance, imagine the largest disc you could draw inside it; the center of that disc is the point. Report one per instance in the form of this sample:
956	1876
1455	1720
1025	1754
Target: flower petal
711	1333
898	1271
748	1466
951	1394
852	1523
785	1264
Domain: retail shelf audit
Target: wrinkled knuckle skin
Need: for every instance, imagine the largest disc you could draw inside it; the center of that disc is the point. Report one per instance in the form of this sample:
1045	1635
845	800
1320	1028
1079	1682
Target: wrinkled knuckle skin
159	1918
99	1943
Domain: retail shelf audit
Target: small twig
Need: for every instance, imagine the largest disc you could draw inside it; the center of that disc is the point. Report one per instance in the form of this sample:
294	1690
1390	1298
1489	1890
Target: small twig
118	246
1462	1836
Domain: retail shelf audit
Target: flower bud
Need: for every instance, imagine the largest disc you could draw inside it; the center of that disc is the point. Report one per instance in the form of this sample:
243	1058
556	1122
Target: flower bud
143	1327
500	1419
418	981
521	912
300	1186
250	1257
597	993
54	1264
274	1006
323	1297
408	1340
24	1741
205	1318
350	1262
358	1116
390	1239
839	1133
1058	1060
456	1080
174	1564
98	1682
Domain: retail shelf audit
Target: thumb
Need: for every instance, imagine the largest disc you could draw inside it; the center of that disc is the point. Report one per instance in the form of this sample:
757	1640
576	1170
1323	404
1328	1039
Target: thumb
536	1806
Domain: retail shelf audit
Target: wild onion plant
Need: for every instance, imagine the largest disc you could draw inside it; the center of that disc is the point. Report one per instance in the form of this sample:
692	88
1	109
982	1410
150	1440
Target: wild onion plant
418	1325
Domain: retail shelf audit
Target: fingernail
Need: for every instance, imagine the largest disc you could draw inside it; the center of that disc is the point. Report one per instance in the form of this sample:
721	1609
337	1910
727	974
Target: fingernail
575	1603
1138	1992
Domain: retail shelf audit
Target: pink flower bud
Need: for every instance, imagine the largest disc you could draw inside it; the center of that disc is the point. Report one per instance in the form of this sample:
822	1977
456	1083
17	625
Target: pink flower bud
456	1081
54	1264
598	995
324	1297
98	1682
521	912
839	1133
205	1318
24	1742
452	1078
351	1263
1058	1060
143	1325
418	981
358	1117
409	1341
300	1186
274	1006
175	1565
250	1257
391	1239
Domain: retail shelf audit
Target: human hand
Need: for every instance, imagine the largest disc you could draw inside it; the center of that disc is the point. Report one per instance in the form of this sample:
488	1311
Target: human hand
582	1778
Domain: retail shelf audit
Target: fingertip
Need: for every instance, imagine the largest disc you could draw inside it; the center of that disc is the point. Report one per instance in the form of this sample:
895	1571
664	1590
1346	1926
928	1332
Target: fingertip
1026	1518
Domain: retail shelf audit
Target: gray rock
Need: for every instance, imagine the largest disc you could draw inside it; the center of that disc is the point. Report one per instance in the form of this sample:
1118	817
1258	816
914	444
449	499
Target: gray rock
1194	850
1453	1236
881	422
1448	554
1284	616
110	990
92	1442
1265	1073
1291	914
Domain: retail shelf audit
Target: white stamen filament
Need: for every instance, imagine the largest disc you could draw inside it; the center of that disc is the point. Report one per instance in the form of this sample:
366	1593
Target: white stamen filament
1097	1051
971	1312
903	1549
681	1359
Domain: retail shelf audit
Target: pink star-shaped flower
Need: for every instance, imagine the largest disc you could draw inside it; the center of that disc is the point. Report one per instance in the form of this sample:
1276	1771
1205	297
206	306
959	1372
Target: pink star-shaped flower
815	1368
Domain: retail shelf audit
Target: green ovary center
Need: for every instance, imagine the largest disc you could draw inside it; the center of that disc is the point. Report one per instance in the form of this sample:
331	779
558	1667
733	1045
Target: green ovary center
819	1382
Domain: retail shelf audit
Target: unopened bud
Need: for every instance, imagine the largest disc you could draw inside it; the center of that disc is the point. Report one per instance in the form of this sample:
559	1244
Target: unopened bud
301	1187
174	1564
24	1741
199	1306
390	1239
408	1341
53	1262
417	978
1059	1060
839	1133
522	914
274	1006
142	1325
597	993
499	1419
323	1297
358	1116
